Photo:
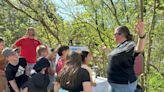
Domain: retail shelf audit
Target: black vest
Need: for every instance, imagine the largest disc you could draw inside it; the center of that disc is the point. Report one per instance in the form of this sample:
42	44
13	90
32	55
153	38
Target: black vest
121	63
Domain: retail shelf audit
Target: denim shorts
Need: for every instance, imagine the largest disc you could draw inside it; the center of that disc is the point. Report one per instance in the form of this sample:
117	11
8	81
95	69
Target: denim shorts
130	87
30	66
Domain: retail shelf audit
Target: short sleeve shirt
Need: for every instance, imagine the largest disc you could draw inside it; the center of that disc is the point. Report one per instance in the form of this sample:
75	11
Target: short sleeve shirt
83	76
28	48
59	65
17	73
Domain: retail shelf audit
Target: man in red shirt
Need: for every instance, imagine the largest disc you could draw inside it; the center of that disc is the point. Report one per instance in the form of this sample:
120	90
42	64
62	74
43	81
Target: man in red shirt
28	45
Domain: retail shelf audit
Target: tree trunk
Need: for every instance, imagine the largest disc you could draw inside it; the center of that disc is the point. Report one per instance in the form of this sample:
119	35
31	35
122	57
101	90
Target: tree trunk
150	41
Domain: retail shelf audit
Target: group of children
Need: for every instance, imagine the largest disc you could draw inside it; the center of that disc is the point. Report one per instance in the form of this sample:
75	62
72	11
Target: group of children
42	77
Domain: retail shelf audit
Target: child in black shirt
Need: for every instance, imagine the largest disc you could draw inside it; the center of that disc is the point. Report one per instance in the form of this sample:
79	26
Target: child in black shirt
15	70
39	80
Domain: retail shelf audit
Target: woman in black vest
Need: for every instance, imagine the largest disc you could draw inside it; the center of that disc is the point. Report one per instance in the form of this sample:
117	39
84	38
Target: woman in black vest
121	76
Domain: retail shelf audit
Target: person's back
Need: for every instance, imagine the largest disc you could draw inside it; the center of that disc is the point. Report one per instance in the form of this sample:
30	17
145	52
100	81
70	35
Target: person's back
38	83
44	51
72	77
82	76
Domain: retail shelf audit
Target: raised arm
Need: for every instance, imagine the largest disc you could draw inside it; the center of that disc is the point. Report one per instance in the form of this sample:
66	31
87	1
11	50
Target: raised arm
17	43
53	53
141	41
13	46
103	48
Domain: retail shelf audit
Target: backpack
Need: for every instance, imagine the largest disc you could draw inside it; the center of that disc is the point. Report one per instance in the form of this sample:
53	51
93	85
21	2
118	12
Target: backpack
139	65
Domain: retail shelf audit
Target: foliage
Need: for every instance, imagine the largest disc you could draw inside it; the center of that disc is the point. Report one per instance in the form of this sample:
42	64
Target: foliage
90	23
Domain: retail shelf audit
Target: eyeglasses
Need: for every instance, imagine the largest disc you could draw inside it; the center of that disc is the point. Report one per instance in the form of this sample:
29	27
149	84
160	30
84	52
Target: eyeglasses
117	34
13	54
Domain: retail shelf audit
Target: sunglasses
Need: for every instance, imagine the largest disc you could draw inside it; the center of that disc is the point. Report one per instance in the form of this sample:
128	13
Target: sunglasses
117	34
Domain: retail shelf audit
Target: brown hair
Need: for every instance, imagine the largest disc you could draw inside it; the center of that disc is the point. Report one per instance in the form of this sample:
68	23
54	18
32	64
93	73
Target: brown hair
84	54
1	39
69	74
124	30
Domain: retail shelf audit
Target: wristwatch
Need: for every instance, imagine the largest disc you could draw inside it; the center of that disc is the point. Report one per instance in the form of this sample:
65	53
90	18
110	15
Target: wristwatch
142	37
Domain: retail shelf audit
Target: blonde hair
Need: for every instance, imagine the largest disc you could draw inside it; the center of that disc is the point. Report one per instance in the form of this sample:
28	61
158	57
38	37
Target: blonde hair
30	29
40	49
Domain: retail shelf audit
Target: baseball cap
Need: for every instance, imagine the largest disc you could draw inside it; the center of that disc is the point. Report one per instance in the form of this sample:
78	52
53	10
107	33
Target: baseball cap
7	52
41	63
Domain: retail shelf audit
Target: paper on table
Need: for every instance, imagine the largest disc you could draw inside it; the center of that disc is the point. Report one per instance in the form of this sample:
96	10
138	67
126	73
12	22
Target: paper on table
101	85
100	80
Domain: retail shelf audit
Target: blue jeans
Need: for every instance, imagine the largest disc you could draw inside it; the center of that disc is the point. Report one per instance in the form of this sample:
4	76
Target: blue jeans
51	83
62	90
30	66
130	87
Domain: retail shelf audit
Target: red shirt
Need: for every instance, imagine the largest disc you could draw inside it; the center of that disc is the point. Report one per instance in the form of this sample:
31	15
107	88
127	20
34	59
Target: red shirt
60	65
28	48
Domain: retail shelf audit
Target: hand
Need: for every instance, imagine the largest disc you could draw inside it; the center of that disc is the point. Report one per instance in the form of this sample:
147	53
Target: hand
2	73
93	83
57	47
103	48
139	27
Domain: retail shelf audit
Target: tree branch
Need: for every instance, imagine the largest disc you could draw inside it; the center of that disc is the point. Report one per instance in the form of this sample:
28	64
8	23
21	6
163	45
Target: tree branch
12	5
125	9
150	41
97	25
28	6
49	30
141	9
156	68
40	19
150	33
51	16
49	40
113	12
